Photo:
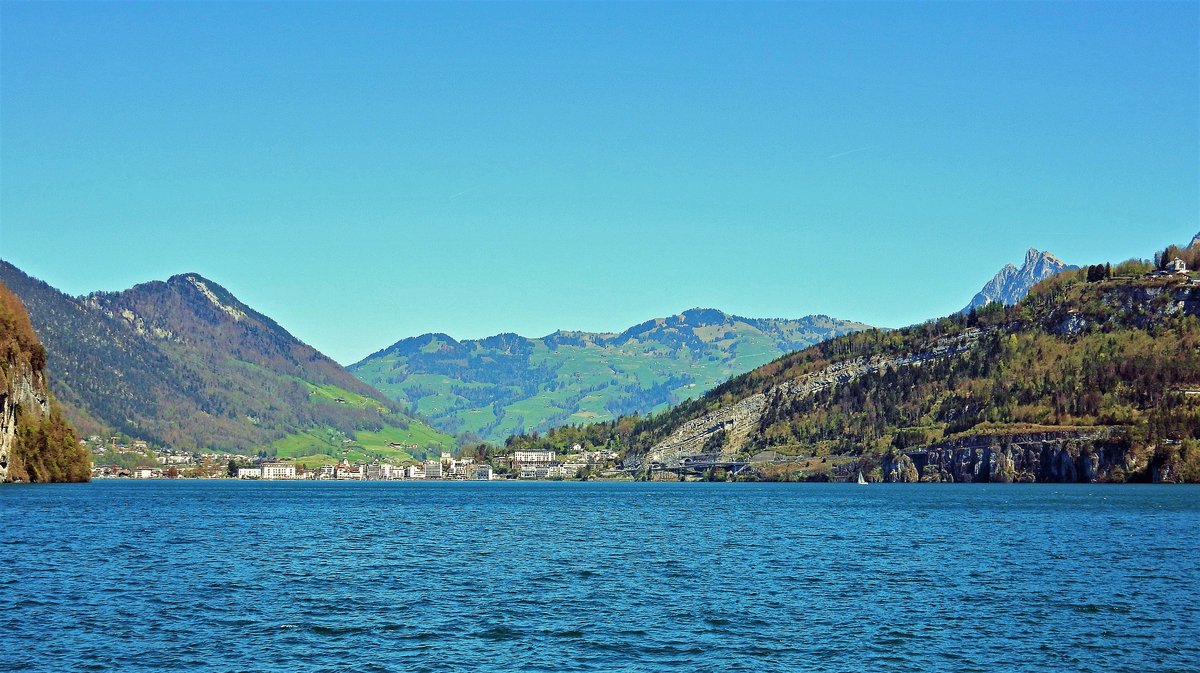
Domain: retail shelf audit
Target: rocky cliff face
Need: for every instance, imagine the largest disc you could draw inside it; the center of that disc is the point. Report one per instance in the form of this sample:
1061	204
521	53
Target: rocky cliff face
36	444
24	394
734	423
1011	284
1073	456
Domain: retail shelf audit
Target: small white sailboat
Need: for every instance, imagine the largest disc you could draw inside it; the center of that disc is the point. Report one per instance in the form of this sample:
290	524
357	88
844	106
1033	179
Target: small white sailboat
861	481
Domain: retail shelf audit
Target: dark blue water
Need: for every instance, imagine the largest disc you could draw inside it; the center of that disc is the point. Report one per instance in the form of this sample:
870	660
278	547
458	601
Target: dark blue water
241	576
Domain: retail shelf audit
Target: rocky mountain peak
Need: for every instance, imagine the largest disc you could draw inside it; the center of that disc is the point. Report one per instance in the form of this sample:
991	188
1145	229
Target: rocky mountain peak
1011	284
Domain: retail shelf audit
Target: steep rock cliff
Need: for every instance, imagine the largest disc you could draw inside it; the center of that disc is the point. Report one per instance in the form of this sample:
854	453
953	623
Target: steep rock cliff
36	444
1072	456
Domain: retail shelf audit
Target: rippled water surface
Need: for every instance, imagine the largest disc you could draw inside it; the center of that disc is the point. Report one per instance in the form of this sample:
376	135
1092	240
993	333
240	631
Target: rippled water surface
312	576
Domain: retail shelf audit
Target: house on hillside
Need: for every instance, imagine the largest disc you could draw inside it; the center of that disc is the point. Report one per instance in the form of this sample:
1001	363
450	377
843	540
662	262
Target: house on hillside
1177	266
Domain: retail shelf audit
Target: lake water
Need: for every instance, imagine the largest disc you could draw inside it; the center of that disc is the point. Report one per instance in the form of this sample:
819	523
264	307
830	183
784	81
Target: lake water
318	576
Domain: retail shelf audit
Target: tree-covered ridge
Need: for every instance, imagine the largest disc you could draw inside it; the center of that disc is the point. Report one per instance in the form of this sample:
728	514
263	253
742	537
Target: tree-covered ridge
493	387
1098	348
38	445
184	364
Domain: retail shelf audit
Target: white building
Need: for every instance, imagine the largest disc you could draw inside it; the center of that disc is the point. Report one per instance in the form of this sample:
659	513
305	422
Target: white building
249	473
143	473
533	456
387	471
324	472
278	470
482	473
414	472
1177	266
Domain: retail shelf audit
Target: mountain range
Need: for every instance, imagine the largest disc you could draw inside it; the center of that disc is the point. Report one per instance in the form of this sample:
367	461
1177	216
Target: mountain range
1093	376
183	363
508	384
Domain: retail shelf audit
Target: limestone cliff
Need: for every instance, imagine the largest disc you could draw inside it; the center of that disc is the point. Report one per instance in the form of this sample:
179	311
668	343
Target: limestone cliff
1055	456
36	444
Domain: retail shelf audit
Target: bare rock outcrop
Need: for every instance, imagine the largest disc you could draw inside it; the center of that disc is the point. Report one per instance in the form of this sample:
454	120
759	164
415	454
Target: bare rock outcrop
1059	456
737	421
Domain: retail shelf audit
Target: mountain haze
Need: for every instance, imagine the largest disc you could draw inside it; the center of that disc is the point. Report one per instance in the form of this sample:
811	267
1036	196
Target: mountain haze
508	384
185	364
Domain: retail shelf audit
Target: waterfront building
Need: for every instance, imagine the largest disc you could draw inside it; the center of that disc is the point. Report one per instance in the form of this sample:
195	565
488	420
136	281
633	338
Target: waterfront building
344	470
249	473
278	470
433	469
373	471
387	471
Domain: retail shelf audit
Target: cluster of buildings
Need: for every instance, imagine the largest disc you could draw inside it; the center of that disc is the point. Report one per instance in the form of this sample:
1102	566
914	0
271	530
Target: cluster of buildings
172	464
520	465
1176	267
542	464
448	467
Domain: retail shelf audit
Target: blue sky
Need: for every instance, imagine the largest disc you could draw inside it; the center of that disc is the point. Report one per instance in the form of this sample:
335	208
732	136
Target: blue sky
367	172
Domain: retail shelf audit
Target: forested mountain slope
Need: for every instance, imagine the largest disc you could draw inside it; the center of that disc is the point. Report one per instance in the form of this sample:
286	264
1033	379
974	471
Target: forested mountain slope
184	364
1094	375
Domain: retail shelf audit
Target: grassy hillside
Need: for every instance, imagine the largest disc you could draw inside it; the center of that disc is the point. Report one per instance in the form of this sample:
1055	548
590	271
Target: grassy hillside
506	384
183	363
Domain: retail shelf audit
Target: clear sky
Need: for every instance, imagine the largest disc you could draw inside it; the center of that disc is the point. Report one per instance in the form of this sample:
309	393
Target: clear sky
368	172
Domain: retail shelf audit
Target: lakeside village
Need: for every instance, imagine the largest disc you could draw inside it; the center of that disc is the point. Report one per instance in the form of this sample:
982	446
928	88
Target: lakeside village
174	464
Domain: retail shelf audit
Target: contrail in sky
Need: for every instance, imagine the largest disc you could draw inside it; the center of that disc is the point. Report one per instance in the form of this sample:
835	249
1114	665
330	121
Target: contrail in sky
465	191
857	149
